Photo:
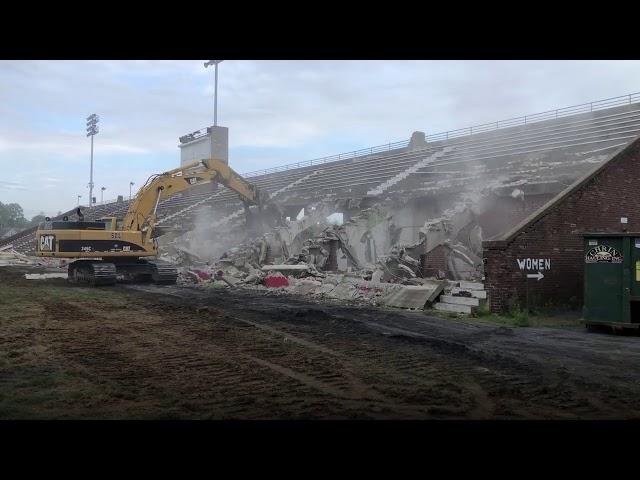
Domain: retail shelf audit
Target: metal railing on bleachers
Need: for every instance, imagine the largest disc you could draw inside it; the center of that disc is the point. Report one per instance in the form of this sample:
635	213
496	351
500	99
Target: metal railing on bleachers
462	132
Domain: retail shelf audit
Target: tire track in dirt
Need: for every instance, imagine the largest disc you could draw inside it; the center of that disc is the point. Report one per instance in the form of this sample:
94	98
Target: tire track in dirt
173	352
538	391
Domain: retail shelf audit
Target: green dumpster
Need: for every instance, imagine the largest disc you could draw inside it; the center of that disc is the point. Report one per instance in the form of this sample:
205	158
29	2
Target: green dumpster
612	279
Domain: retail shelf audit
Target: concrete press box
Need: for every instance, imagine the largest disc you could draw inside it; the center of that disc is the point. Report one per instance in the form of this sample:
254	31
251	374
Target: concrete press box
612	279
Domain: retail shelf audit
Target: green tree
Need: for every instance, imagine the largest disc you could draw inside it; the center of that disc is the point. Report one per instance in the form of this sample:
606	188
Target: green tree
38	218
11	215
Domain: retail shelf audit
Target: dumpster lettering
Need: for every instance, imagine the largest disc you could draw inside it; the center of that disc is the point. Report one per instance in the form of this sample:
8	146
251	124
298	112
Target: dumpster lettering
603	254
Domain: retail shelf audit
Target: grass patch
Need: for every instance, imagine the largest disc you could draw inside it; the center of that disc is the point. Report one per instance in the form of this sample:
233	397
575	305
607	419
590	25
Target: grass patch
14	295
517	317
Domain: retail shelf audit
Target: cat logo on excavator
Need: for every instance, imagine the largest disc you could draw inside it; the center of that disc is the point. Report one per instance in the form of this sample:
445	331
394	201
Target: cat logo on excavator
47	242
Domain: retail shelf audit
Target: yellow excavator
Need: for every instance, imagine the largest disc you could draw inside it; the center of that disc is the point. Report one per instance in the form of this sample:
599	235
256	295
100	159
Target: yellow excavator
111	247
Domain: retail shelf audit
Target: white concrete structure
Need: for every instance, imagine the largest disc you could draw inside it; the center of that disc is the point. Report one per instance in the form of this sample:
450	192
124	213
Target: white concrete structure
212	142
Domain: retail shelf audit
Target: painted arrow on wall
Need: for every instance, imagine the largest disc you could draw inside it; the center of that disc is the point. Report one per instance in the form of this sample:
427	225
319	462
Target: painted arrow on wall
538	275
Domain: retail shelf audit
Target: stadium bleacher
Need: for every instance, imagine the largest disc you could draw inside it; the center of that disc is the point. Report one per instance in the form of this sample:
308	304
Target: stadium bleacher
548	151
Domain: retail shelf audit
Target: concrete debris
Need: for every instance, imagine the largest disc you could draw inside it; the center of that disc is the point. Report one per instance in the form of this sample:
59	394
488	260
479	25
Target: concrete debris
12	257
9	256
377	256
414	296
287	268
44	276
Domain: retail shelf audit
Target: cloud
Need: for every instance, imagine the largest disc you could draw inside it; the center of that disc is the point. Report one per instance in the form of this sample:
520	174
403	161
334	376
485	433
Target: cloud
277	111
12	185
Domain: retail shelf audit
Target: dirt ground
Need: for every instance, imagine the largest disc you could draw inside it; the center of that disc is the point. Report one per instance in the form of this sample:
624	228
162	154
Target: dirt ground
147	352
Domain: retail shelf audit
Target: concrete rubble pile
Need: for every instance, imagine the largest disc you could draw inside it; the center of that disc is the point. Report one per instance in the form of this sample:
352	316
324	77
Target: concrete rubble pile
381	254
317	262
10	257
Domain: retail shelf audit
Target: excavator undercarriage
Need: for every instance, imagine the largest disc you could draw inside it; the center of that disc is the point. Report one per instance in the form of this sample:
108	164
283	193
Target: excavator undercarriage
108	272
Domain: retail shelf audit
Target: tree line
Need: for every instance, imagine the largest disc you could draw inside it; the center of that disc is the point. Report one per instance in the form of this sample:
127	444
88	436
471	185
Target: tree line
12	215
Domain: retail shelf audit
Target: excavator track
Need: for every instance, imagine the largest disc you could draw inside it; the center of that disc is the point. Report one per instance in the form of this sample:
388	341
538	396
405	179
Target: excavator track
141	270
163	273
90	272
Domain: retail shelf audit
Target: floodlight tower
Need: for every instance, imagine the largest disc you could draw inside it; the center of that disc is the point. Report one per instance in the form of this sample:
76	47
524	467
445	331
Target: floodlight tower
131	184
215	90
92	129
102	195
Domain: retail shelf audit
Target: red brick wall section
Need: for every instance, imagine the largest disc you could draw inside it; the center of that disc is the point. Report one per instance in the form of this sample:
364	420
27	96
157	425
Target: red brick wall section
435	261
596	206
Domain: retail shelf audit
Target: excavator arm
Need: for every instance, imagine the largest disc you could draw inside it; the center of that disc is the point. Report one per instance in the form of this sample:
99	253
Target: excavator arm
105	250
141	215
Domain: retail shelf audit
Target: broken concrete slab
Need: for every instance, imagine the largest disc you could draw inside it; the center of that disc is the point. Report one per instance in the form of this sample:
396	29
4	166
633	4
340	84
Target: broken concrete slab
414	297
286	268
11	257
228	279
343	291
306	287
457	300
44	276
471	285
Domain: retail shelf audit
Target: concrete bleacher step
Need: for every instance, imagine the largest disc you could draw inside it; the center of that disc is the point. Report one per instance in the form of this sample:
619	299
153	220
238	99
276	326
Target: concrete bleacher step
481	294
189	207
293	184
408	171
471	285
459	300
462	297
240	211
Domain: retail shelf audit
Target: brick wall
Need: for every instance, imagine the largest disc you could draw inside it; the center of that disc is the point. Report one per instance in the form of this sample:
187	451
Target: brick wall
435	261
594	205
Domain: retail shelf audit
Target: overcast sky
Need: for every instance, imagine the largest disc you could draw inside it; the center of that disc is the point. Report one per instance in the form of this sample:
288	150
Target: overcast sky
278	112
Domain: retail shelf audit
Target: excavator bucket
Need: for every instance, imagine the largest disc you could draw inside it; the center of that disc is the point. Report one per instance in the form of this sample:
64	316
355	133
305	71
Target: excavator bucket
264	217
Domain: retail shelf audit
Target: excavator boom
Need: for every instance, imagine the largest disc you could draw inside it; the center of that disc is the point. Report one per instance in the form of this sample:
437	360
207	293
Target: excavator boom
159	187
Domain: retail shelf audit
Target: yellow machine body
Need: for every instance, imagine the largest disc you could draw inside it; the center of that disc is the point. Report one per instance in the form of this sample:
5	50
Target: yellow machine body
122	243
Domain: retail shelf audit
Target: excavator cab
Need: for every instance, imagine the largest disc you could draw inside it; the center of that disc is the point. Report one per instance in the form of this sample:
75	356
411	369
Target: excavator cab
111	223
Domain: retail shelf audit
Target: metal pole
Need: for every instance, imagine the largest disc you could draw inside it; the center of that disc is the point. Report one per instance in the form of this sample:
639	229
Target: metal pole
91	176
215	100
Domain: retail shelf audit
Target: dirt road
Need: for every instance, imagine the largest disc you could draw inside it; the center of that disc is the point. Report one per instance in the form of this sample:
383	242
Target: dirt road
171	352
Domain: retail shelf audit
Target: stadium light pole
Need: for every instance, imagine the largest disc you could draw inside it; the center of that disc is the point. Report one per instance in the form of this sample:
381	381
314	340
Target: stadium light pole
79	196
131	184
92	130
215	89
102	195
